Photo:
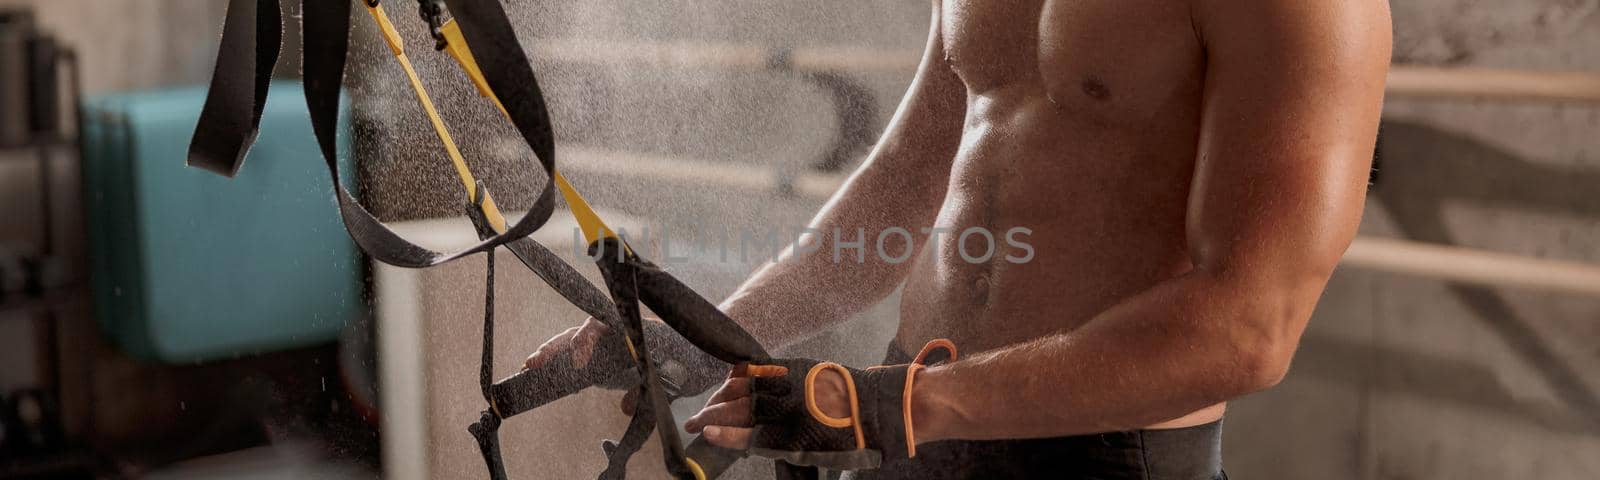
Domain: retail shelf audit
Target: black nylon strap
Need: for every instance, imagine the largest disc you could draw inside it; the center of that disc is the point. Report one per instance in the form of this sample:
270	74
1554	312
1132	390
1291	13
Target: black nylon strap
620	270
327	27
696	318
639	429
505	66
487	430
487	433
559	378
564	279
486	366
252	36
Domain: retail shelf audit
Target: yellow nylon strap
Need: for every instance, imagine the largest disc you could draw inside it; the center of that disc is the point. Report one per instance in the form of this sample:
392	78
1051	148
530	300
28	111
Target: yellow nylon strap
396	45
694	469
456	45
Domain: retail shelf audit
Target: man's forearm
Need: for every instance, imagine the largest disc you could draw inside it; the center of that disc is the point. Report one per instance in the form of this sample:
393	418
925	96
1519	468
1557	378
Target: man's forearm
781	304
901	184
1182	346
811	288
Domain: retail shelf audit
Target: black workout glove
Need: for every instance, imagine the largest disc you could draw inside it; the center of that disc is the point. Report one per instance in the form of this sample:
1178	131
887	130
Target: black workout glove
790	426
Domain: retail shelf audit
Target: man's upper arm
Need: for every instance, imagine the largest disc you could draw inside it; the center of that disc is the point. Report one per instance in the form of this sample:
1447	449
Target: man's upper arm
928	122
912	159
900	185
1294	91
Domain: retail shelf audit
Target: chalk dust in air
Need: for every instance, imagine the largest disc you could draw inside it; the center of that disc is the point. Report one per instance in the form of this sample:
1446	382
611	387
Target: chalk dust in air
662	121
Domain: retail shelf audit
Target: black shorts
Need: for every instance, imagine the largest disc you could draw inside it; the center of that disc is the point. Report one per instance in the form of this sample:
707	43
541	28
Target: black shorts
1193	453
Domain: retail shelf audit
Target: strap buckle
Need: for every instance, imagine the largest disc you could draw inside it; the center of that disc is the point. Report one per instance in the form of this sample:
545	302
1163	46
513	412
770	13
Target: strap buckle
432	12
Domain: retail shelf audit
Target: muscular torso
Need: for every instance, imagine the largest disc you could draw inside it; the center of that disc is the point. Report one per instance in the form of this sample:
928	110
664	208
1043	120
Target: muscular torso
1081	126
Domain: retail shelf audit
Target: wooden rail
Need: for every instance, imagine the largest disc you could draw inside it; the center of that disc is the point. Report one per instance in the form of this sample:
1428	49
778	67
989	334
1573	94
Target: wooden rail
1470	266
1445	83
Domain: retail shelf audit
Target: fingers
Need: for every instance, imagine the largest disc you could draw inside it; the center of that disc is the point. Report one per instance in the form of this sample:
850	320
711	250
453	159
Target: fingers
730	406
731	389
551	348
735	392
735	413
579	340
584	341
734	438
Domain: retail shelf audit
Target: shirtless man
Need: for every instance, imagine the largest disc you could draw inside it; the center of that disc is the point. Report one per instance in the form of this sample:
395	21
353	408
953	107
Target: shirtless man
1191	171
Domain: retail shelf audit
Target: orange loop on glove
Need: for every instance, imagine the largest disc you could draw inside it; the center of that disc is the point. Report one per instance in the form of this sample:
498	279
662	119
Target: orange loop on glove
850	389
759	371
911	437
936	344
911	376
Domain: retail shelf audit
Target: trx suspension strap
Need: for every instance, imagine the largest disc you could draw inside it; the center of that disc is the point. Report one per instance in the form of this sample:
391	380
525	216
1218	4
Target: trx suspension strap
502	73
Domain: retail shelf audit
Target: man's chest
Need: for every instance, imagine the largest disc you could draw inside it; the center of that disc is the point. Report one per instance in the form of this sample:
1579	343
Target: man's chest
1134	58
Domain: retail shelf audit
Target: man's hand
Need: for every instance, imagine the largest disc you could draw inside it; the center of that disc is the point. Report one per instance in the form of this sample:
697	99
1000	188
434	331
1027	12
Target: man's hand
579	341
689	369
726	419
815	413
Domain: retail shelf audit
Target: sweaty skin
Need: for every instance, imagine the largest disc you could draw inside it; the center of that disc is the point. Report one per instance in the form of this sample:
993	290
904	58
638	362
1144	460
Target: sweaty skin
1191	172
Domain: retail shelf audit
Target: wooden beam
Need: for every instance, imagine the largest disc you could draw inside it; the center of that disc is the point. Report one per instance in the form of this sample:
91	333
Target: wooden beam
1472	266
1434	82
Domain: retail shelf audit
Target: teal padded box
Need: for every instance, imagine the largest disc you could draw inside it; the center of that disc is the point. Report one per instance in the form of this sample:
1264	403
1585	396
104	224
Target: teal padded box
189	266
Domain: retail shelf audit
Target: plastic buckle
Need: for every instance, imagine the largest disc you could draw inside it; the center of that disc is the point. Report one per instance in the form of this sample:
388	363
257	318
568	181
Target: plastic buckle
432	12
